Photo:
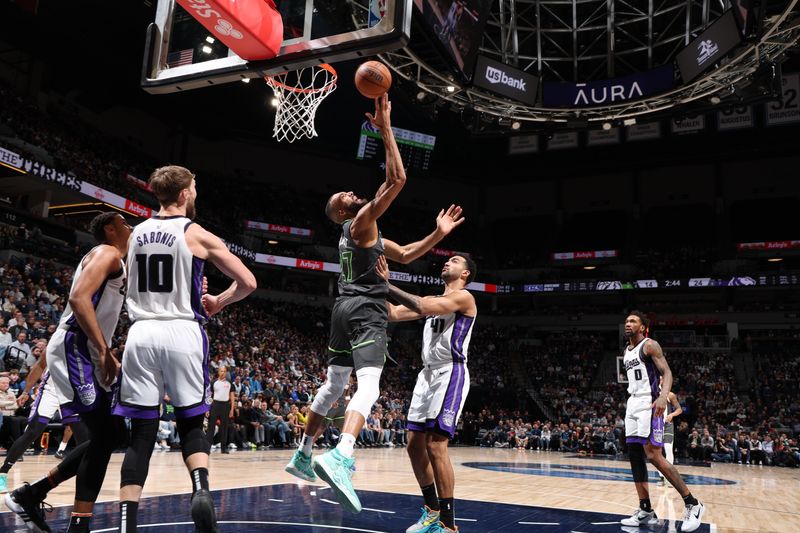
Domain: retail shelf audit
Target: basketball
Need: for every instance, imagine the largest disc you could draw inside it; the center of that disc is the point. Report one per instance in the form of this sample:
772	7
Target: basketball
373	79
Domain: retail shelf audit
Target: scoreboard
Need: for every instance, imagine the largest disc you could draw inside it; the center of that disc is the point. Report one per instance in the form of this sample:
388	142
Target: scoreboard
415	148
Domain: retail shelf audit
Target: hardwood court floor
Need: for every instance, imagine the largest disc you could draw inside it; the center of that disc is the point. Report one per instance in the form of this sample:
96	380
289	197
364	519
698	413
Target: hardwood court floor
552	487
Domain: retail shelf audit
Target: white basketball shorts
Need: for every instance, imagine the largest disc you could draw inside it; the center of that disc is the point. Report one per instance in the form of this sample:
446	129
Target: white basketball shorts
164	356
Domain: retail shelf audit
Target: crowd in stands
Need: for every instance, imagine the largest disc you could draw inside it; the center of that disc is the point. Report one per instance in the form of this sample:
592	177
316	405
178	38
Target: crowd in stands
71	143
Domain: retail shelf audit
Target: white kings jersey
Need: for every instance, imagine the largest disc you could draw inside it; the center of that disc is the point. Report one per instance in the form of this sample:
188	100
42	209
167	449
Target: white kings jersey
445	338
166	280
642	372
107	302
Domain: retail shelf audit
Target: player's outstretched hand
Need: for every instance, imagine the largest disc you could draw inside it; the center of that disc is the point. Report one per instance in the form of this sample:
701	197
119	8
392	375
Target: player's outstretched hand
383	112
211	304
382	268
449	220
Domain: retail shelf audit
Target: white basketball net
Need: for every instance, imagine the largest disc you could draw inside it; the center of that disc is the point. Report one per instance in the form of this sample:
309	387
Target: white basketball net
299	93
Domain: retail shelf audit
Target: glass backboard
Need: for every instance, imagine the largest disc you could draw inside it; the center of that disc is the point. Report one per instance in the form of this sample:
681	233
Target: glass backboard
181	54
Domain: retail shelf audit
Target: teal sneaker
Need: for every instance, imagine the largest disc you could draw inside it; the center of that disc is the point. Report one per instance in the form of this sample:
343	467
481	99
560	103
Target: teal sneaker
300	466
336	470
426	523
3	483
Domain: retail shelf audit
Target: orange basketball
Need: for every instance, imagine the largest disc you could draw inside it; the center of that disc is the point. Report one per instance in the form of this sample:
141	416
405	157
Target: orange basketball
373	79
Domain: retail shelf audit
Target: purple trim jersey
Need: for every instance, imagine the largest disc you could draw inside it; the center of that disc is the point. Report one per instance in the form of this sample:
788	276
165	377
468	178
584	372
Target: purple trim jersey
165	278
642	373
107	303
446	338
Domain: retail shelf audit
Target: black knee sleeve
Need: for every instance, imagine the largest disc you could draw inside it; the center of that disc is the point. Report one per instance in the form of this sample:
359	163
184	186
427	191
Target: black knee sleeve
79	432
137	458
193	439
638	463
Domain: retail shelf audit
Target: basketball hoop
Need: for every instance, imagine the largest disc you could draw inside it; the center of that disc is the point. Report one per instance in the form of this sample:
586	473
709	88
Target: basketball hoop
299	93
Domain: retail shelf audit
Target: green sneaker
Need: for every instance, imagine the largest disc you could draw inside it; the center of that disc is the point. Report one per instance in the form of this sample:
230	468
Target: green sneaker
3	483
426	523
336	470
300	466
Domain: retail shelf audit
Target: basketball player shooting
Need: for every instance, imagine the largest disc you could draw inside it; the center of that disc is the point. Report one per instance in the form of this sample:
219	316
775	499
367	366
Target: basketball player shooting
442	385
83	370
167	346
644	423
359	316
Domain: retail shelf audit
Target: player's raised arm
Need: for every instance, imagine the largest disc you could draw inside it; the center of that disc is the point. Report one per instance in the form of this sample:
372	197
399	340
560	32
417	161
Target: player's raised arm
446	222
395	172
413	307
214	250
654	351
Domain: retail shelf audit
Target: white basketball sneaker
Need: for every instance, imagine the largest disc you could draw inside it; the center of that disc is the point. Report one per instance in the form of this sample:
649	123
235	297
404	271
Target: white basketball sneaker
640	518
692	517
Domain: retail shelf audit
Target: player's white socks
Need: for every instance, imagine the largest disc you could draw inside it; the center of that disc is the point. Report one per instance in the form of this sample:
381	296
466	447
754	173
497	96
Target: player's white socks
62	446
307	444
345	446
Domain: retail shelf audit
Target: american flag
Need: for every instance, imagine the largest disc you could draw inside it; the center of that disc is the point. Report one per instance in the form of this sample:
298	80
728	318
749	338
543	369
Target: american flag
183	57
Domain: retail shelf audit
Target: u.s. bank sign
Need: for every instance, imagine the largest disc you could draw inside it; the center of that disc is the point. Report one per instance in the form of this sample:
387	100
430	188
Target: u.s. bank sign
610	91
505	80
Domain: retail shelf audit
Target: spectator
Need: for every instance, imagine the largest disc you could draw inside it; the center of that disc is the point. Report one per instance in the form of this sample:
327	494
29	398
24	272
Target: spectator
707	444
10	426
723	451
769	449
18	354
696	451
757	454
5	341
545	438
278	424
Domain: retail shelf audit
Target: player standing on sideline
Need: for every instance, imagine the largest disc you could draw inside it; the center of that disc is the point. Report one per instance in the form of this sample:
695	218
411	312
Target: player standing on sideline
644	423
359	316
167	347
442	385
672	411
83	370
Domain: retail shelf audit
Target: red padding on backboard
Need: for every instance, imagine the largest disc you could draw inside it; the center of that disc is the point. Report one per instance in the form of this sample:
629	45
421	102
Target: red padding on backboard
253	29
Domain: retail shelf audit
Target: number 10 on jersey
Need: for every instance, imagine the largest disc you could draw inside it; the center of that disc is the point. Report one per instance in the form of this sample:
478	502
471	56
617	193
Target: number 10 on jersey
155	272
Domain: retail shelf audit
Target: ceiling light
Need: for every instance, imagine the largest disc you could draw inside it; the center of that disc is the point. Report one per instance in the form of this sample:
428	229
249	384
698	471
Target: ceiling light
451	89
245	80
629	122
715	99
589	267
606	126
516	125
421	95
272	242
775	259
210	40
206	49
274	102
